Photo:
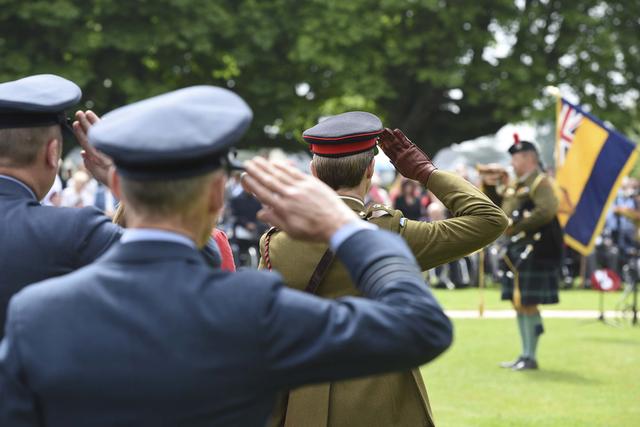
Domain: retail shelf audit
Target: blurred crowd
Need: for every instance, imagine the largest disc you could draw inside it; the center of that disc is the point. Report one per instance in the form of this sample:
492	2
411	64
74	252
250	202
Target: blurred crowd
75	188
616	248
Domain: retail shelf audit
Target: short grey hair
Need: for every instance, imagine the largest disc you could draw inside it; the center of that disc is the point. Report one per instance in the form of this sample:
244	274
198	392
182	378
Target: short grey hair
19	146
343	172
164	198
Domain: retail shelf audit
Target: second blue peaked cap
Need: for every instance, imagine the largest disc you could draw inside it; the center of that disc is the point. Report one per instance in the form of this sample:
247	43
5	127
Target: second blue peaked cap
35	101
180	134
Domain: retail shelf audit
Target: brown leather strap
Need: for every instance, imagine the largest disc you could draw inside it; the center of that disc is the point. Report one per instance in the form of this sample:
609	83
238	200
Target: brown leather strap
318	394
321	269
320	272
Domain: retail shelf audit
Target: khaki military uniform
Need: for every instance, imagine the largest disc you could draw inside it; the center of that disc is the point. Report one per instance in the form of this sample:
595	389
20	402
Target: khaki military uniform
532	205
396	399
536	188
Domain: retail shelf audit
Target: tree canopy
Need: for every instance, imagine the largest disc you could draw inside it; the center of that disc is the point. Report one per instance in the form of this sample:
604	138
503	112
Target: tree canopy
442	70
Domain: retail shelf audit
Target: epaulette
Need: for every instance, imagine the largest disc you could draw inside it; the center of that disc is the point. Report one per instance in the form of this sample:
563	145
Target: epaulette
378	210
539	180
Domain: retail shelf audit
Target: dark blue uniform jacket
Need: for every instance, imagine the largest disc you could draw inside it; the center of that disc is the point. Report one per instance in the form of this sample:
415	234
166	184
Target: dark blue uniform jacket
150	335
38	242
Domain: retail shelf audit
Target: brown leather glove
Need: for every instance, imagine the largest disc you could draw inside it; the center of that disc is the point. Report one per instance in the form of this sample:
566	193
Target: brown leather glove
407	158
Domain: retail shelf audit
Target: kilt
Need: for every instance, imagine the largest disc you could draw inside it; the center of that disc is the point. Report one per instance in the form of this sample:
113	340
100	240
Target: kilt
538	280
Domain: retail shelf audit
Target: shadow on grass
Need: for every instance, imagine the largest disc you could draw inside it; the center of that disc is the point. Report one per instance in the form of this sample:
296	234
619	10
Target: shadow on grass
567	377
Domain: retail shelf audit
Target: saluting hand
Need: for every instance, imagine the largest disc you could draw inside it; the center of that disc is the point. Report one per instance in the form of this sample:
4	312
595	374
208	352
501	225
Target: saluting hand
493	174
96	162
407	158
299	204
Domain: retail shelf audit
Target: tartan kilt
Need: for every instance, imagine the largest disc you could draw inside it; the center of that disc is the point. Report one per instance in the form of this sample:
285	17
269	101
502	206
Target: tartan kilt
538	281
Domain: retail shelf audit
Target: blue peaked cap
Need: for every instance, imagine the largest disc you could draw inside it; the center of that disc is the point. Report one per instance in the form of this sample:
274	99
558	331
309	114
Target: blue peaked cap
38	100
180	134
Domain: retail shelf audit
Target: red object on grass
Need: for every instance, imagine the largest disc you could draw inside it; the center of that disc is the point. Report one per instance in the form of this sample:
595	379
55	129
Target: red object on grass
605	280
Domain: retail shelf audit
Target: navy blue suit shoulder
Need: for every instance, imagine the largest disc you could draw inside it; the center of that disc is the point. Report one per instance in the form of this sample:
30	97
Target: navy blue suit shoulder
39	242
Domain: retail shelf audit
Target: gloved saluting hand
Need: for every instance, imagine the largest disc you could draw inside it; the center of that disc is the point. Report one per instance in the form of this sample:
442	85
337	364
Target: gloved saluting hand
408	159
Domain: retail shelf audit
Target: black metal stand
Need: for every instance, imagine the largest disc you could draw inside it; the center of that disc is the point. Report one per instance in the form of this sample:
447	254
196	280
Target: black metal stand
629	309
601	317
601	304
634	306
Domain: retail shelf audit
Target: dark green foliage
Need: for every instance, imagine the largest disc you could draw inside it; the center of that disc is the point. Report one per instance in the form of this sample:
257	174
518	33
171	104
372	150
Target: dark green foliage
396	58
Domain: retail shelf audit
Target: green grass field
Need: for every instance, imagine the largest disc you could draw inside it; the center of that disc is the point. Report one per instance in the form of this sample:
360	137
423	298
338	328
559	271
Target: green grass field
576	299
589	376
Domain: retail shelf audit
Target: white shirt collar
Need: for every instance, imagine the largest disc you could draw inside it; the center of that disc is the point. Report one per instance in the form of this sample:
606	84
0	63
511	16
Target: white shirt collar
155	234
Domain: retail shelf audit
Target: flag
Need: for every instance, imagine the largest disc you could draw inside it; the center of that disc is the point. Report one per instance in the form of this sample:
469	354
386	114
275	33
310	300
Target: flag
591	160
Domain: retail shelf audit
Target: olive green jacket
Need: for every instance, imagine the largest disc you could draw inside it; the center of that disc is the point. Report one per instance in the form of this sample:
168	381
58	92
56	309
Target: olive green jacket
536	187
395	399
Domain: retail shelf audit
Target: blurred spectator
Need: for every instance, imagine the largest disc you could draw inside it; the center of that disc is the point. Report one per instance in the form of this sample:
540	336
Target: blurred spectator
54	196
79	191
104	200
234	186
396	188
409	200
439	276
426	199
436	211
377	194
619	235
456	274
244	228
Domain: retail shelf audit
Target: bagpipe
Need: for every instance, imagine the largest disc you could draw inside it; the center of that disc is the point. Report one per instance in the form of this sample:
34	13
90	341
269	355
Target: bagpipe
515	250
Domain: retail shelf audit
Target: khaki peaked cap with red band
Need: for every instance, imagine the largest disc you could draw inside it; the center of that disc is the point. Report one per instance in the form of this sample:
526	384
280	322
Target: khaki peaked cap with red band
344	134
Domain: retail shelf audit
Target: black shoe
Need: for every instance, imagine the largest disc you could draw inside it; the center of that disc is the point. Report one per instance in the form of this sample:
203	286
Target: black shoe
525	364
510	365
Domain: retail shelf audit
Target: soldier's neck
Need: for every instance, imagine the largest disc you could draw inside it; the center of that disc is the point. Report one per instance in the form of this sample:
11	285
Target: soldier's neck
355	193
167	224
358	192
527	174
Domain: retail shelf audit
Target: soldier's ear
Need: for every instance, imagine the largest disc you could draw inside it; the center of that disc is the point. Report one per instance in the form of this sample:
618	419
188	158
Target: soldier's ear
216	192
312	167
371	168
53	151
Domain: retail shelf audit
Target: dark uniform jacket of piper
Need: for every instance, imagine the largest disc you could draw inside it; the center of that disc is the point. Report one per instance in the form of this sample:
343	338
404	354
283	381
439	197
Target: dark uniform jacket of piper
397	399
151	335
532	205
38	242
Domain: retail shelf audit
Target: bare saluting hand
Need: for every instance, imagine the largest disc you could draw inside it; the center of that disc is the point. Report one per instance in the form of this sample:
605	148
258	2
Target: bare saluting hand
301	205
96	162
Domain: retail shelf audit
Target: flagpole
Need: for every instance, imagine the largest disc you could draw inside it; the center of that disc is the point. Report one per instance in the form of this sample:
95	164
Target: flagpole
481	282
583	271
555	92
